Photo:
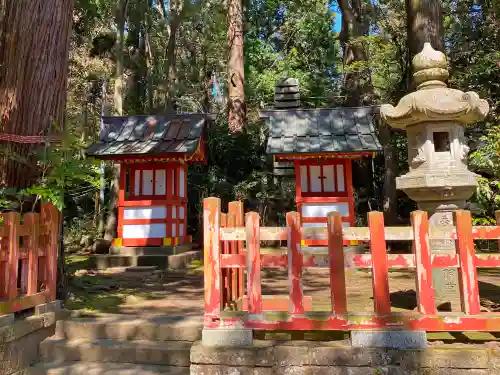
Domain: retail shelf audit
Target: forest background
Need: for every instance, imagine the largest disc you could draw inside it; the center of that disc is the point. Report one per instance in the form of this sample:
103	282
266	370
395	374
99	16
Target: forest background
158	56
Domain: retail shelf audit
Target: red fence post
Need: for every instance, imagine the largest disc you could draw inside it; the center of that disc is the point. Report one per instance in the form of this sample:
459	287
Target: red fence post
380	272
295	263
497	217
12	222
32	222
336	260
50	216
253	263
211	254
224	249
469	289
423	263
235	219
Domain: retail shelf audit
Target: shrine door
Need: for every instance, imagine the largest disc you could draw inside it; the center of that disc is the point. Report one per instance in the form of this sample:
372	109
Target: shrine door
153	205
323	187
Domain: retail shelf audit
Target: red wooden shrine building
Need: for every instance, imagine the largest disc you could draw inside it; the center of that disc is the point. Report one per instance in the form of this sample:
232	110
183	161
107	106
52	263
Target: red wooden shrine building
154	153
321	144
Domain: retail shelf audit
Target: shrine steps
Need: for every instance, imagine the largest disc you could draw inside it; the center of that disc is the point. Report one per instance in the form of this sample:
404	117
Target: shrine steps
119	344
96	368
177	257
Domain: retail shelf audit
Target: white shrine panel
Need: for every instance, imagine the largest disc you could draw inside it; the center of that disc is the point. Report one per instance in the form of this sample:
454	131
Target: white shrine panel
147	182
328	179
144	231
315	175
155	212
322	209
160	182
303	178
340	178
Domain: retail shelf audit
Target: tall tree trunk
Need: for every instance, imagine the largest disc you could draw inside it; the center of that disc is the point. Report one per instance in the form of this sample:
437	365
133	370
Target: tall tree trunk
359	91
424	24
120	17
34	55
236	68
176	15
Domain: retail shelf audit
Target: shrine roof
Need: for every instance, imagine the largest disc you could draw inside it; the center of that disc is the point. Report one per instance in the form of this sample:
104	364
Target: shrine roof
329	130
149	135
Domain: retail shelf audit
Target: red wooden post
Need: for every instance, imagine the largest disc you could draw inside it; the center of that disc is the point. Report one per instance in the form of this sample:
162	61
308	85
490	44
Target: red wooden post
32	222
295	263
235	219
211	251
423	263
469	289
380	272
226	291
336	260
12	221
50	216
497	217
253	263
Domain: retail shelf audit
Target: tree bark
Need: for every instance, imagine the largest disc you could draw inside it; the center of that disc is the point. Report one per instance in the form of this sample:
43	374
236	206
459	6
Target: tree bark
359	91
120	18
236	68
424	24
358	88
34	55
176	14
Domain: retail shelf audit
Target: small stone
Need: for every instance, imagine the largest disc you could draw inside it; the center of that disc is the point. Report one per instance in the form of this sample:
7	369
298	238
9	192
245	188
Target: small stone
86	241
132	300
81	273
101	246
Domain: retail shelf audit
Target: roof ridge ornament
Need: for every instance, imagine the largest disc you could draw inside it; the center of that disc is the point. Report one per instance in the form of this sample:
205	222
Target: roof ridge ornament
434	100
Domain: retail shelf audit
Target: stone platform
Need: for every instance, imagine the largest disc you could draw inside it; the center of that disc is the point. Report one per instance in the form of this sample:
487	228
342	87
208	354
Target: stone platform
174	257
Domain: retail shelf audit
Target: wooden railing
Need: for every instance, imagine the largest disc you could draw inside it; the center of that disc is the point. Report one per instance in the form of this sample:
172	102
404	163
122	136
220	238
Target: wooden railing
224	257
28	258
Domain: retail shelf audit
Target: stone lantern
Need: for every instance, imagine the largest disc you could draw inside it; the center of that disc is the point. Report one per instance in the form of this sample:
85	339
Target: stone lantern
439	181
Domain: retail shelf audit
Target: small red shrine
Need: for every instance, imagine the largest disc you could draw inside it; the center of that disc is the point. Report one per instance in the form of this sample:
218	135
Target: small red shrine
153	153
321	144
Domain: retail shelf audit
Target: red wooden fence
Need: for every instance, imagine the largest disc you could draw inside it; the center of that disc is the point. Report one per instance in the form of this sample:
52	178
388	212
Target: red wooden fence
28	259
225	259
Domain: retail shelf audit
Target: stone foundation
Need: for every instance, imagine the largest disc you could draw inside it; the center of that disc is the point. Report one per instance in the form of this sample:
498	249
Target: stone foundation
319	358
20	339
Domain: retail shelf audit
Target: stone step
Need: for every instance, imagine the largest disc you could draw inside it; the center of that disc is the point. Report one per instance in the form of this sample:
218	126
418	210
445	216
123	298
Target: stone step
123	327
166	353
99	368
102	262
150	250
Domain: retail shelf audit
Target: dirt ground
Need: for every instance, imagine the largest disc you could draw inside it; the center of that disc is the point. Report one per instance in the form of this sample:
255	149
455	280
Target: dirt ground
181	292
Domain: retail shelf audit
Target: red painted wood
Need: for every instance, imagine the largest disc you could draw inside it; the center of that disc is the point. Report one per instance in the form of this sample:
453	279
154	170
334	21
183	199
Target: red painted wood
253	263
326	156
423	263
211	254
277	303
12	222
380	273
226	287
497	218
336	260
488	261
51	216
235	219
350	190
295	263
131	242
32	220
469	289
298	180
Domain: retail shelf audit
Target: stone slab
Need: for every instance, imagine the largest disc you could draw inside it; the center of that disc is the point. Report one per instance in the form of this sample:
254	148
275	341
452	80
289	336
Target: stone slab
229	370
49	307
171	353
6	320
389	339
222	337
99	368
256	355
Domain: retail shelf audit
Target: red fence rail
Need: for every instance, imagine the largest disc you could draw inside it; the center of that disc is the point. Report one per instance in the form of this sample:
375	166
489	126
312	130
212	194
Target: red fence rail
28	258
225	257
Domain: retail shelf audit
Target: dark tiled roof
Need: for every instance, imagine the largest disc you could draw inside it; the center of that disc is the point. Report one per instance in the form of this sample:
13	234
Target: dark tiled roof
305	131
152	135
